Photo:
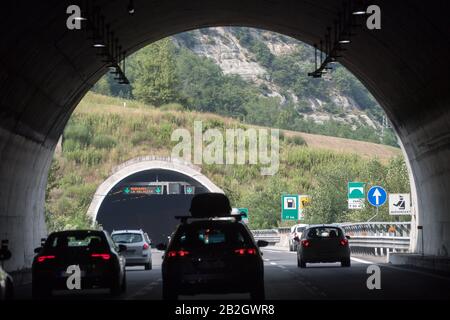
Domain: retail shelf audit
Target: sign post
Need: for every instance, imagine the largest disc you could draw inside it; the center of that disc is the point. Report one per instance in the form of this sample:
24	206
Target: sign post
377	197
355	195
399	204
289	207
303	201
244	211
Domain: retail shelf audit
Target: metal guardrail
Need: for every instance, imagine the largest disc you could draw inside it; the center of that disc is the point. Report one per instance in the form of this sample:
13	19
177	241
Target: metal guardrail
270	235
398	243
376	238
395	229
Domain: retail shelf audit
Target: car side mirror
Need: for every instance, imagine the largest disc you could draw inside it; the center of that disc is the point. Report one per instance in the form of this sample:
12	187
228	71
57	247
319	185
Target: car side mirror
161	247
262	243
37	250
348	237
122	248
296	238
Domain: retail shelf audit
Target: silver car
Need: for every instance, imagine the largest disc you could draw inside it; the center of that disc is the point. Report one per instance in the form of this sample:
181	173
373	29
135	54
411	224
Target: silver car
138	245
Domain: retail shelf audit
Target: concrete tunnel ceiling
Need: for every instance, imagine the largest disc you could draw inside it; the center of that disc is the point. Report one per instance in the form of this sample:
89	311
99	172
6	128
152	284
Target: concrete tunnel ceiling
46	70
154	214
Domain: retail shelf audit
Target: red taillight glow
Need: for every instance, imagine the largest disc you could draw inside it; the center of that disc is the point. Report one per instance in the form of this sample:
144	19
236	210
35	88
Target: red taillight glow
306	243
104	256
244	251
179	253
145	246
344	242
43	258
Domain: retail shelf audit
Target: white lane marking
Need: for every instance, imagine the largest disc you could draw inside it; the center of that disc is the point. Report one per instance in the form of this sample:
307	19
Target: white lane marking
273	263
144	290
362	261
282	267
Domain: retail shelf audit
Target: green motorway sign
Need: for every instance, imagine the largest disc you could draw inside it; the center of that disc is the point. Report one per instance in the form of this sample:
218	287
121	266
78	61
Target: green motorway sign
356	190
289	207
244	210
355	195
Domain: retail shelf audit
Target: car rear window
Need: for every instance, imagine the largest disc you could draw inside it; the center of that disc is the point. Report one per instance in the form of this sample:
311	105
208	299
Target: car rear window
75	240
127	237
211	236
324	232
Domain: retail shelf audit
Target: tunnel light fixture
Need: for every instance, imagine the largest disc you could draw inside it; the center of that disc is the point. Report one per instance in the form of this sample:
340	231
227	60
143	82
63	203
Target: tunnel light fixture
103	37
130	7
359	8
359	12
336	39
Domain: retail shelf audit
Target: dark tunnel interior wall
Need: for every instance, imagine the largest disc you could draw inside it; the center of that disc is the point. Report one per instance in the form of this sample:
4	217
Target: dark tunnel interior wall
155	214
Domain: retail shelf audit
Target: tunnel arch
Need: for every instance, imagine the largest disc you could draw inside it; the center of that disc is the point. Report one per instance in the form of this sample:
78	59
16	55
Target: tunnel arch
145	163
47	69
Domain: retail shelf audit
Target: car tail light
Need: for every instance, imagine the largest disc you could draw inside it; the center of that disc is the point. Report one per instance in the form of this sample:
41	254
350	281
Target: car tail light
104	256
145	246
343	242
306	243
179	253
43	258
245	251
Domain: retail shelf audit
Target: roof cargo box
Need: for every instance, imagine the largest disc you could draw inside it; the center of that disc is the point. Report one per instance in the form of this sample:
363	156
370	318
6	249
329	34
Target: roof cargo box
210	205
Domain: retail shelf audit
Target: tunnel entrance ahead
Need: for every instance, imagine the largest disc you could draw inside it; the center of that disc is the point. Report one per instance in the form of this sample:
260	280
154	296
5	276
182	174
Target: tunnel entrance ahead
153	213
47	69
116	208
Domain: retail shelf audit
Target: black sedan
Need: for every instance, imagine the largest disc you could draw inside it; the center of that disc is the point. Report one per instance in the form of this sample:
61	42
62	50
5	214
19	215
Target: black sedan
324	243
90	255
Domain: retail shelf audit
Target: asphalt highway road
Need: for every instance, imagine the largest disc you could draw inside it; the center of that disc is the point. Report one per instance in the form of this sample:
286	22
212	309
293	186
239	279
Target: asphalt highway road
285	281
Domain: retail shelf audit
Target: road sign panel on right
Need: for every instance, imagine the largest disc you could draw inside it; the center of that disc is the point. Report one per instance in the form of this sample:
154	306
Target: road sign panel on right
377	196
399	204
289	207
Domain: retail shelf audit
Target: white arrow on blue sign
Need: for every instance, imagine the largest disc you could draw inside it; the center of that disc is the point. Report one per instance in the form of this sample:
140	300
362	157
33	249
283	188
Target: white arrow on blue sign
377	196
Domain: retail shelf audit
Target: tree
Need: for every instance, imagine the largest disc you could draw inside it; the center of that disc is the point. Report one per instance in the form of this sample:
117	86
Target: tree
153	71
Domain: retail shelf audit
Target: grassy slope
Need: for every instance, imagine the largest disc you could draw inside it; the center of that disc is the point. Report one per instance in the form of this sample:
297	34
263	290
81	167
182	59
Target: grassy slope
136	129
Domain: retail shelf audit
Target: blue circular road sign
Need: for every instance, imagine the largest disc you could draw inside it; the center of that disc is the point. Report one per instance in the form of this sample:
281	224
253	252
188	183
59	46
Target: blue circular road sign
377	196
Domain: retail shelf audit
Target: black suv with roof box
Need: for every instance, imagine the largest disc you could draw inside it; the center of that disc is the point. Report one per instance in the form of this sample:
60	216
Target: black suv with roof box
212	251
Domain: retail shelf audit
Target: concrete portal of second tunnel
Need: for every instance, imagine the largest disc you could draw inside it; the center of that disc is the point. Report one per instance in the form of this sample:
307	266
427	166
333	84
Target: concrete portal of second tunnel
113	209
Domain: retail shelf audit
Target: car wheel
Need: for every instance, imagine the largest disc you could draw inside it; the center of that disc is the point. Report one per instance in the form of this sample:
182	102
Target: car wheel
148	266
40	291
9	295
124	283
301	263
258	292
116	287
169	292
346	262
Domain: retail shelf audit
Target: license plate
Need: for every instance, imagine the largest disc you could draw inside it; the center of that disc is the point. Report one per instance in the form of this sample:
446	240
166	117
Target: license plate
212	265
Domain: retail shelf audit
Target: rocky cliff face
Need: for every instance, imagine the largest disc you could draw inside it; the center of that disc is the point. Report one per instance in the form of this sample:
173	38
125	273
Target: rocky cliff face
224	46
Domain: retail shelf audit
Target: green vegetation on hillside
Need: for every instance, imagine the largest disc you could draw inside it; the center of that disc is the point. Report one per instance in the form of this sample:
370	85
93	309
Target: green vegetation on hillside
163	73
103	133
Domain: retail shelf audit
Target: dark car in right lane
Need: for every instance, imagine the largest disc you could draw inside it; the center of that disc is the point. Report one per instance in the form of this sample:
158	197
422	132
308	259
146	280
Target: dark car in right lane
323	243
